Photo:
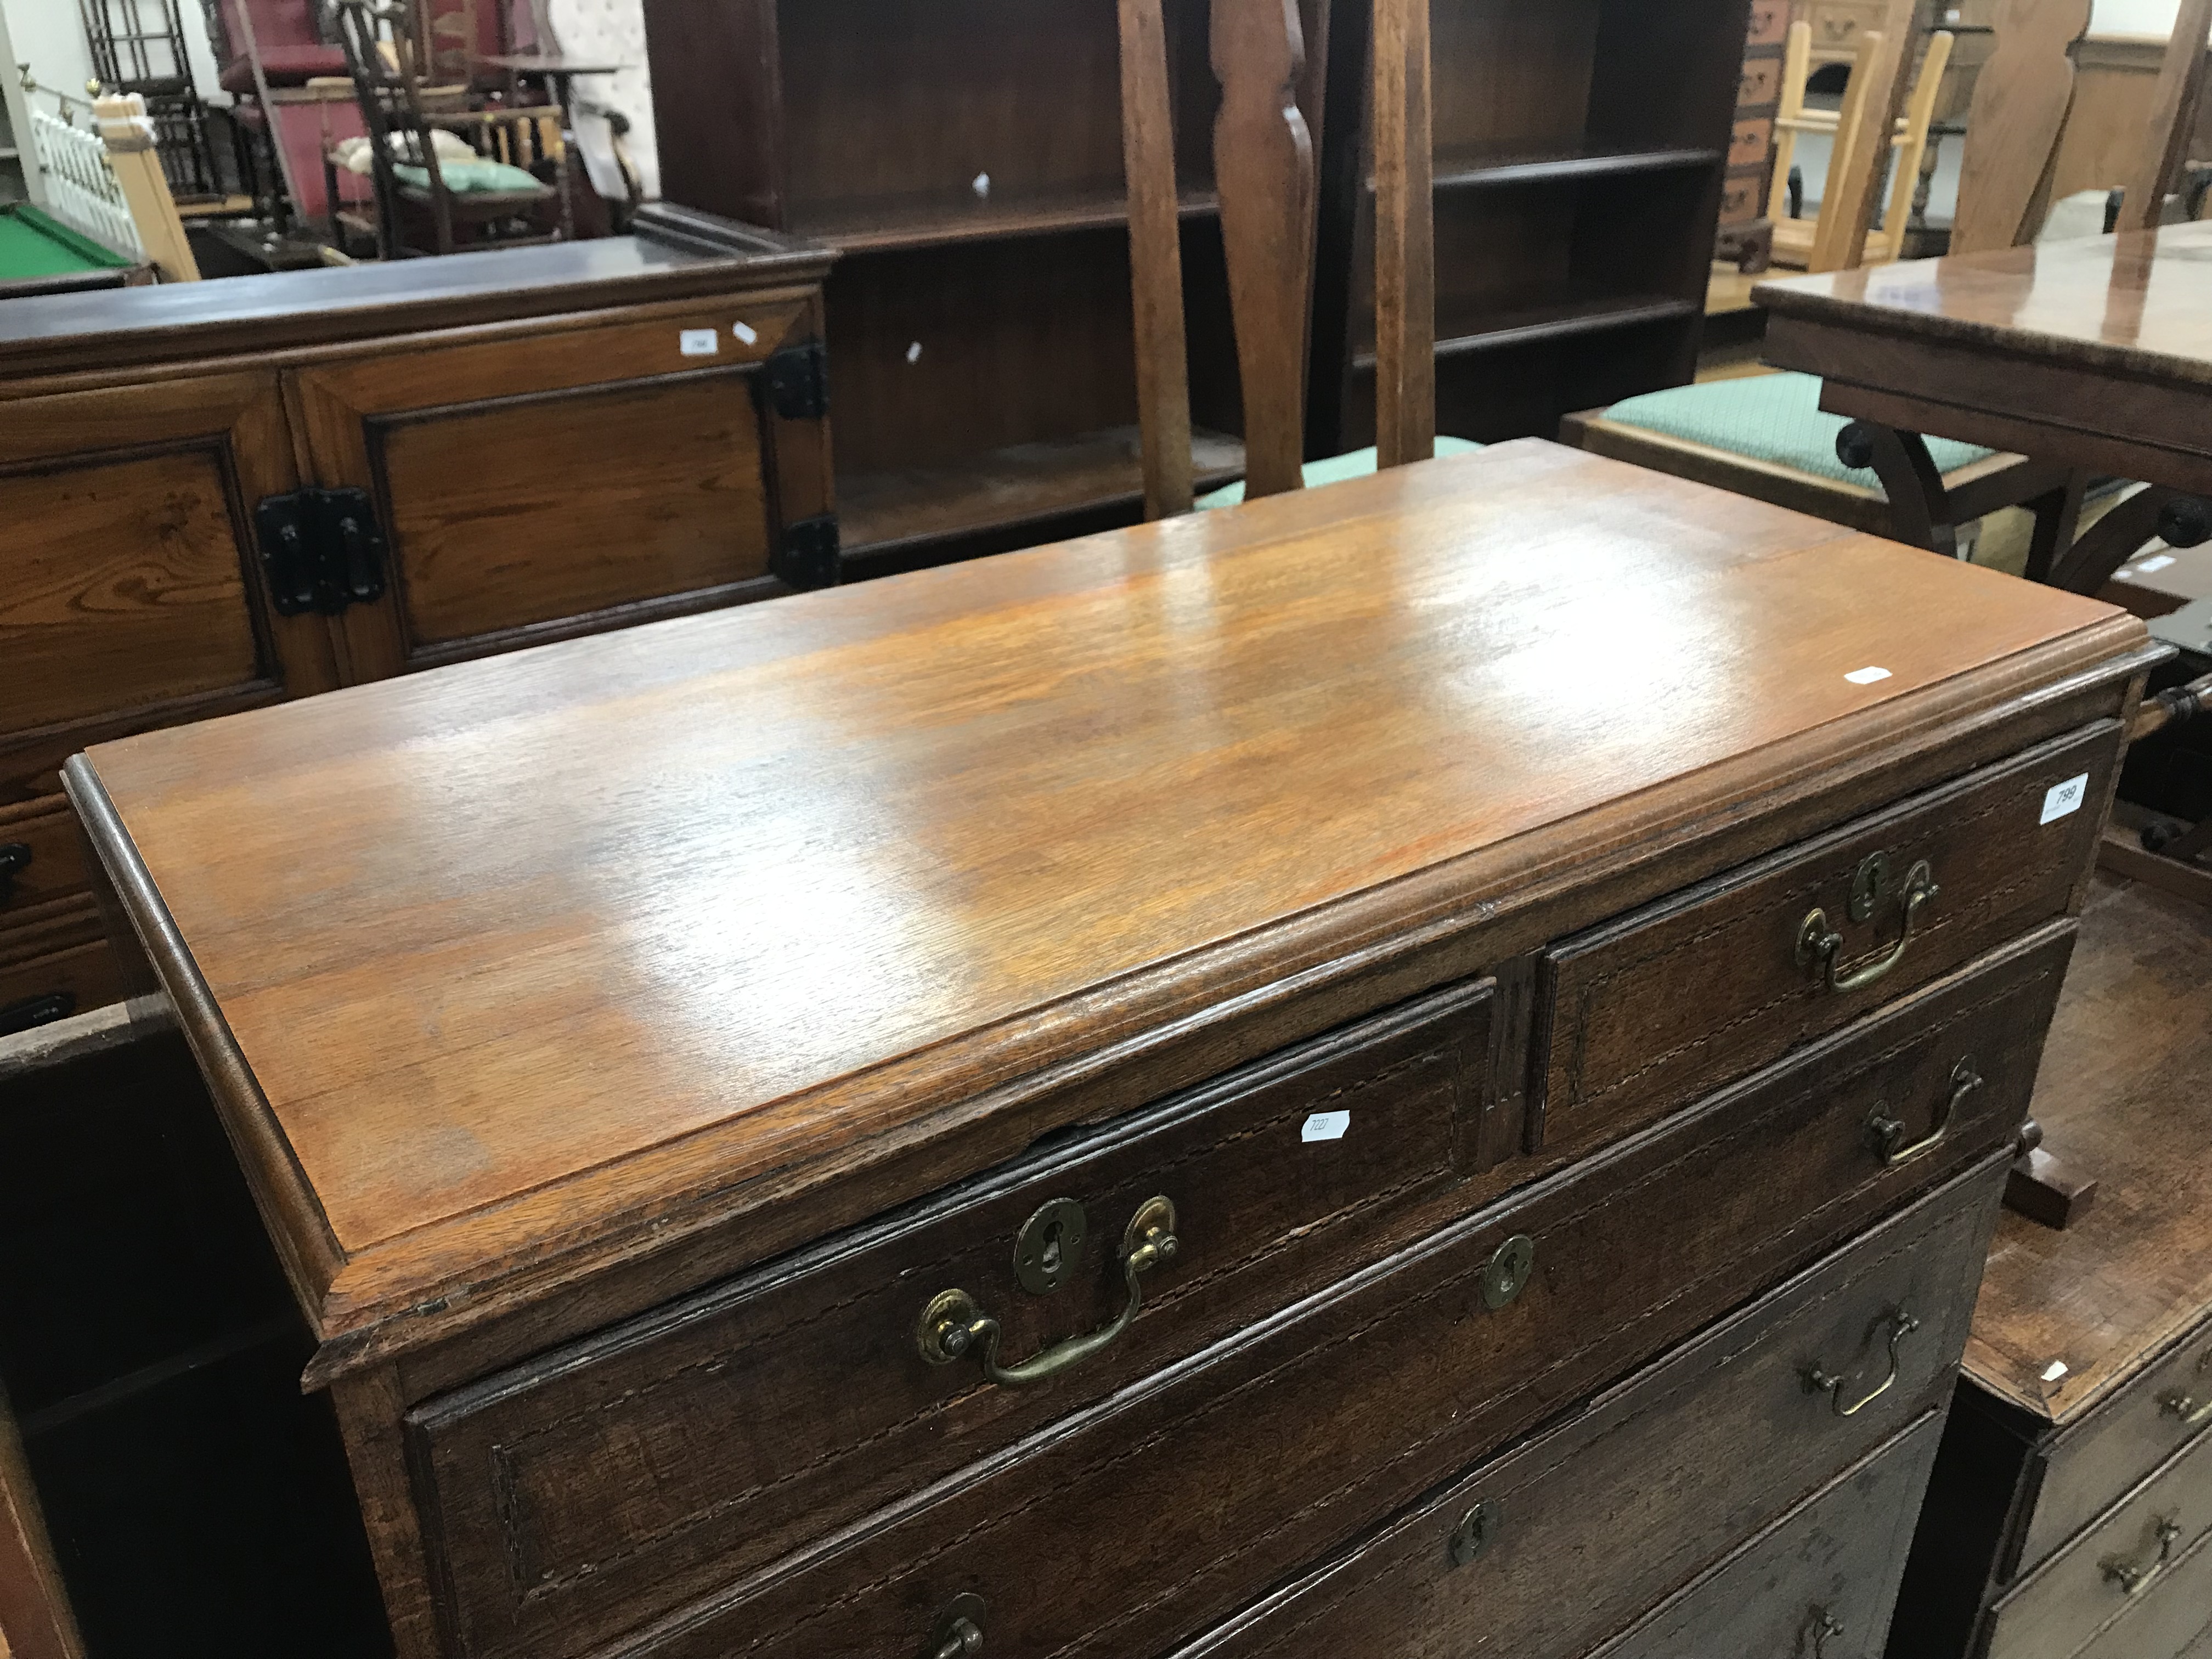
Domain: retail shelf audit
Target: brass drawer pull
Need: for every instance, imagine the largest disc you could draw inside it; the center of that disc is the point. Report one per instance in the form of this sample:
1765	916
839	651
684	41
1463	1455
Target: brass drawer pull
959	1630
2194	1414
1820	947
1820	1380
1888	1133
2134	1576
953	1324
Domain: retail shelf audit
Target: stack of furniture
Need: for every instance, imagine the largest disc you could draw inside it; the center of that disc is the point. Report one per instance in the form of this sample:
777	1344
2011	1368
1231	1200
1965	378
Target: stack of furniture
1746	236
2071	1508
224	495
138	47
1099	1101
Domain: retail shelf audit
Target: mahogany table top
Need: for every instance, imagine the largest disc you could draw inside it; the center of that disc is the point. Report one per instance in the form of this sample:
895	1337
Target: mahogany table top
2139	303
515	954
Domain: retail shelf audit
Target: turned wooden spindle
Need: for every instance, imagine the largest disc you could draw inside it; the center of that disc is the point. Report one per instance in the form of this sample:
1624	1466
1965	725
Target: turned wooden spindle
1263	163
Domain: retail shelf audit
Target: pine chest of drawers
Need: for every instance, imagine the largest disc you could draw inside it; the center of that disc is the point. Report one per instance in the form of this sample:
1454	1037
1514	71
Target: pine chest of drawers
1206	1090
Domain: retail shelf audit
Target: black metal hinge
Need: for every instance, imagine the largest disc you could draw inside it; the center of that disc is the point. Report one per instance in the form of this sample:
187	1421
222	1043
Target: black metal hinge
322	550
809	557
799	381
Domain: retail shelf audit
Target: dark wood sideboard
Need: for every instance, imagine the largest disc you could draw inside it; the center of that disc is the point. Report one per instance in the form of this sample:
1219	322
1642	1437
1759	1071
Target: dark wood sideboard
222	494
1188	1091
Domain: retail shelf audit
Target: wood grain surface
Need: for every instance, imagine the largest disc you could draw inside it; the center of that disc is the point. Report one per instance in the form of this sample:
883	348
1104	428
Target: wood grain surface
522	957
2021	100
2126	1087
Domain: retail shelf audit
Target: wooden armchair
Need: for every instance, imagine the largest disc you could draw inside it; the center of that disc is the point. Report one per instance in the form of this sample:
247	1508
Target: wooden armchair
428	204
1765	436
1264	171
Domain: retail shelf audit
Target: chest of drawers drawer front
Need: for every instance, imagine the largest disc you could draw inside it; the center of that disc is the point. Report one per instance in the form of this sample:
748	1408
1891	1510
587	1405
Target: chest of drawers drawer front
1647	1013
2054	1611
1206	1483
2104	1457
2169	1619
582	1490
1665	1476
1820	1585
41	858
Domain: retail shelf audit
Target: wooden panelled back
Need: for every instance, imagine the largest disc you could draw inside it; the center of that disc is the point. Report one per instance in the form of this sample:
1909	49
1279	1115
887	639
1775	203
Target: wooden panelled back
1265	171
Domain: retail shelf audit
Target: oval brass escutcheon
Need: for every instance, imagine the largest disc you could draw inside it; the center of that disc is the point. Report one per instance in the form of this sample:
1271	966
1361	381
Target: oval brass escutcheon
1869	882
1477	1530
1507	1275
1049	1245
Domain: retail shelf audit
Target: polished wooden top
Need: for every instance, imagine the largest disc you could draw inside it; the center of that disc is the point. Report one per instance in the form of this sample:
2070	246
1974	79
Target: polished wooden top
2139	303
2125	1095
678	253
515	949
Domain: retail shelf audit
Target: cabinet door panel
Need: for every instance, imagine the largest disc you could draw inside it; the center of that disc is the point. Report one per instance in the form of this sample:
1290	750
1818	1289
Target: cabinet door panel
517	515
575	475
130	588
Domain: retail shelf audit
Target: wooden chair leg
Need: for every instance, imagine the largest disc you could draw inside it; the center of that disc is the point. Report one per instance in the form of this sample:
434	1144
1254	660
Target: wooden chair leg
2056	515
1155	261
1405	237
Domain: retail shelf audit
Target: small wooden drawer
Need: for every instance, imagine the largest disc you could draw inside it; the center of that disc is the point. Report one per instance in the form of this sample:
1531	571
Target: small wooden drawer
1770	23
1821	1585
2171	1620
1747	143
2102	1456
1742	199
41	857
2053	1614
1646	1013
1665	1476
702	1440
1839	25
1210	1481
1761	84
55	962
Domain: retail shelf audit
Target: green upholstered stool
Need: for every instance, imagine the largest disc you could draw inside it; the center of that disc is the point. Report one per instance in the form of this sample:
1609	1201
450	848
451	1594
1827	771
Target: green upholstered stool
1354	463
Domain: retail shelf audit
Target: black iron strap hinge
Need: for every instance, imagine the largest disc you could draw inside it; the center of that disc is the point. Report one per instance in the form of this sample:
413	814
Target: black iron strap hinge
322	550
799	381
809	557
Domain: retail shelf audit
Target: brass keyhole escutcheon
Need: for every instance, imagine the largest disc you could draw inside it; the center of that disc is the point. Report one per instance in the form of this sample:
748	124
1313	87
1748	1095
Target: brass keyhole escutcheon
1476	1532
1869	882
1049	1246
1507	1275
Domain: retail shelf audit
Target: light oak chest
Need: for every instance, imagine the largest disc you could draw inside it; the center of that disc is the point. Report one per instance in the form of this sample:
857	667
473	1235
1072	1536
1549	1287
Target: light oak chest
1213	1089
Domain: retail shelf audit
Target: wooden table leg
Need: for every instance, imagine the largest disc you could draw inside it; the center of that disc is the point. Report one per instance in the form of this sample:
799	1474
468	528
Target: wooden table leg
1919	506
2179	519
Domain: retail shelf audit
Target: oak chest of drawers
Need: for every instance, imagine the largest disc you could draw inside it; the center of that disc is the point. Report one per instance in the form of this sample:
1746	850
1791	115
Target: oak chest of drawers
1194	1091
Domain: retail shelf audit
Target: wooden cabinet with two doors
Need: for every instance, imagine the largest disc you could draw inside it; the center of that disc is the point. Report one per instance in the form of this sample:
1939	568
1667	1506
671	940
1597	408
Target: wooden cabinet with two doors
226	494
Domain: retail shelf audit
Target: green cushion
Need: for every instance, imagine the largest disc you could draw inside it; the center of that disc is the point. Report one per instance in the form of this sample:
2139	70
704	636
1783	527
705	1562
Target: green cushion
1768	417
1356	464
472	177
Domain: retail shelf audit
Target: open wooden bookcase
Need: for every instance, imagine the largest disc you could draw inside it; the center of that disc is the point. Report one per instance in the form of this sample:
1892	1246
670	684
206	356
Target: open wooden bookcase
1580	146
966	157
